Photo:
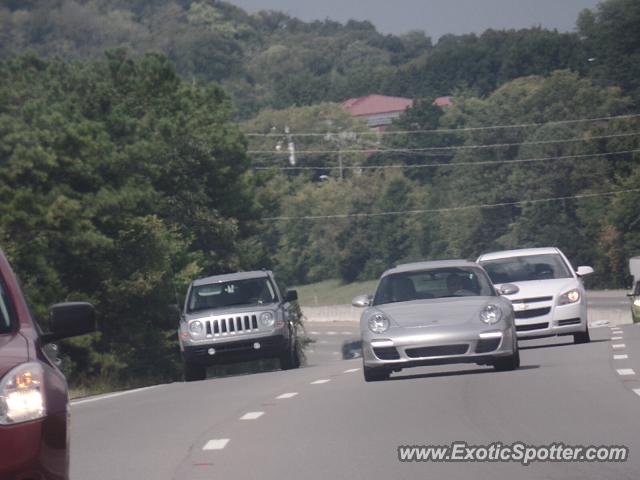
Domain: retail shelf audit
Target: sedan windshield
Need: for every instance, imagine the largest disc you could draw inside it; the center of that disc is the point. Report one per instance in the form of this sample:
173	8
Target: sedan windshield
253	291
436	283
530	267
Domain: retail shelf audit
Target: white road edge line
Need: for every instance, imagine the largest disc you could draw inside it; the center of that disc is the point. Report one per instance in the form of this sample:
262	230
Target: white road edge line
216	444
626	371
618	346
111	395
318	382
287	395
351	370
251	415
620	357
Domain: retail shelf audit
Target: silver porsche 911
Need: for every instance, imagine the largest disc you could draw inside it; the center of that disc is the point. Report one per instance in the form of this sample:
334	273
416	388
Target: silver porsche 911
433	313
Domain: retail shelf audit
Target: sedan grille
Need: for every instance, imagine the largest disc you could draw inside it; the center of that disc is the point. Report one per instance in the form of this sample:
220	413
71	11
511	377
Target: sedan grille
438	351
535	312
532	300
232	325
535	326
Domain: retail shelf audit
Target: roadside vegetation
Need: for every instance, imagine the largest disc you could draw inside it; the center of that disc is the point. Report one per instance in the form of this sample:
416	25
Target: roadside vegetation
126	168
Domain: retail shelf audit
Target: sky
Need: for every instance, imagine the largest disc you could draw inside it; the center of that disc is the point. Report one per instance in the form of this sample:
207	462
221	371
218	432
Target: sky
434	17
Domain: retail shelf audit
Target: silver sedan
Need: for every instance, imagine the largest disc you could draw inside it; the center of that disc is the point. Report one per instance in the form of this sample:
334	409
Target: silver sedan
433	313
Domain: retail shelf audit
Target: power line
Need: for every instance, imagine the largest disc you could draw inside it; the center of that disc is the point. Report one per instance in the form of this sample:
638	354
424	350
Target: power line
455	164
455	147
450	209
454	130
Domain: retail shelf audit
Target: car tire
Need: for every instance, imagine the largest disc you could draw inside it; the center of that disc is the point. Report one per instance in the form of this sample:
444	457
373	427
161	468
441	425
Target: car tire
290	358
194	373
582	337
375	374
512	362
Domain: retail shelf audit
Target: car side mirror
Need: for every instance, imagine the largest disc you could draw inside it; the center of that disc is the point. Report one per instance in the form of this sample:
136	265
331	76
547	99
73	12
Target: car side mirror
361	301
508	289
582	271
291	296
70	319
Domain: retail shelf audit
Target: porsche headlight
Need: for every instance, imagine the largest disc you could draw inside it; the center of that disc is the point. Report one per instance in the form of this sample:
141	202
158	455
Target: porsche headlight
636	302
572	296
22	395
491	314
378	323
196	327
267	319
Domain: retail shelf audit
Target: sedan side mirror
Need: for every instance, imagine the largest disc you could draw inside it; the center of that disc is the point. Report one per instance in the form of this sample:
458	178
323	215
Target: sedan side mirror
361	301
69	320
291	296
508	289
582	271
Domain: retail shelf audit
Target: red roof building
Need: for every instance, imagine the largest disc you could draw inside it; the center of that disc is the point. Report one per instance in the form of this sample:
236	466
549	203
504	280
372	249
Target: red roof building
380	110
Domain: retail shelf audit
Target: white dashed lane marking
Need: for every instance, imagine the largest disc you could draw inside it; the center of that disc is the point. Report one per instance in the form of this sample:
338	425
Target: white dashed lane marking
618	346
620	357
251	415
318	382
216	444
616	338
626	371
351	370
287	395
636	391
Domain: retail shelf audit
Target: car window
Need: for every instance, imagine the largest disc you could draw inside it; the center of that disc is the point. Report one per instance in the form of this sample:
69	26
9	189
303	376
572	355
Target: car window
526	268
6	310
434	283
253	291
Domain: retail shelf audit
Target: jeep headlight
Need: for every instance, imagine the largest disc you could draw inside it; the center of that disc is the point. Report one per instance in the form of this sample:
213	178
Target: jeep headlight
196	327
21	394
491	314
378	323
267	319
572	296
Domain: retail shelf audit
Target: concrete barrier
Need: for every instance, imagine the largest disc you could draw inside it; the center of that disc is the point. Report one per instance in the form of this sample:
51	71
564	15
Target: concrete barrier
605	307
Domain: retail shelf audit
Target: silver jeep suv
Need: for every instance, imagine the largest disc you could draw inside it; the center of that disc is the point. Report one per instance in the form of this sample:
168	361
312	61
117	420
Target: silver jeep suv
237	317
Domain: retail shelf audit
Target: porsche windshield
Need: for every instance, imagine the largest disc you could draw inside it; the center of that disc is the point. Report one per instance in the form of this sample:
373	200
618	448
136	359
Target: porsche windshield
436	283
253	291
526	268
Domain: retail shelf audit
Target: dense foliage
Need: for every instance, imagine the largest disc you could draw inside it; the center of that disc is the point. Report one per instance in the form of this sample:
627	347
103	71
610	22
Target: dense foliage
119	182
123	175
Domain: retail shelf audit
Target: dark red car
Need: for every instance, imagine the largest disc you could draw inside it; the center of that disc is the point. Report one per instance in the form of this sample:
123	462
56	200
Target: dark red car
34	403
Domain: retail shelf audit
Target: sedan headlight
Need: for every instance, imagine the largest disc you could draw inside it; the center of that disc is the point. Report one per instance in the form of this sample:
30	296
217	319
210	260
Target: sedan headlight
21	395
572	296
378	323
267	319
491	314
196	327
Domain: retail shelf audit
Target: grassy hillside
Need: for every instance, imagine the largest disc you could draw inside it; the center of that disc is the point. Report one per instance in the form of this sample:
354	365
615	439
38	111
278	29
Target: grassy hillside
332	292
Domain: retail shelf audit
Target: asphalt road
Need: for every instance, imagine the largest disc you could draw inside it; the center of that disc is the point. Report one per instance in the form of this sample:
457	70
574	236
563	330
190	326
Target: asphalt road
341	427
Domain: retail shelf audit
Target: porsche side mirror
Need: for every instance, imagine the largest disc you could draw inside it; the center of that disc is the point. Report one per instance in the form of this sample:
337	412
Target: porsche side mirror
361	301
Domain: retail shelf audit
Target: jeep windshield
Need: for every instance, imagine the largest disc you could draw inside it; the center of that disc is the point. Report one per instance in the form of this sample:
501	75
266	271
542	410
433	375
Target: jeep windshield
526	268
252	291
